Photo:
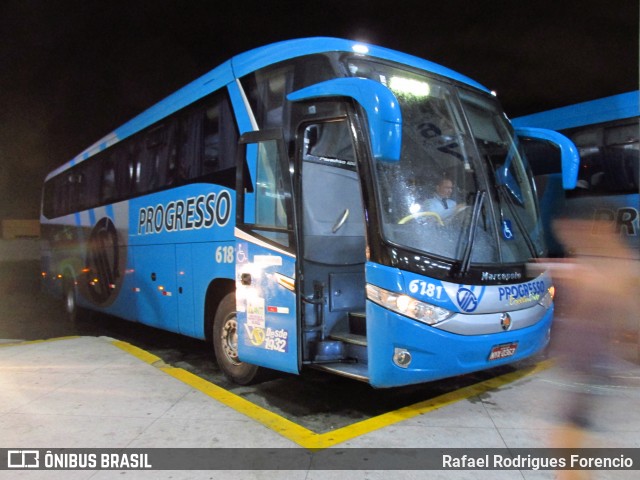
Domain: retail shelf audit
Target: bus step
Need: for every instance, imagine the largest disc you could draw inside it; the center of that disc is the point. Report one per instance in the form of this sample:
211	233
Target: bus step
355	371
358	323
355	346
351	338
332	350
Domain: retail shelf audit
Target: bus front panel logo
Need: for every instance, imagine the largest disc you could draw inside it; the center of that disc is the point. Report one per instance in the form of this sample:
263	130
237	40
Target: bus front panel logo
467	300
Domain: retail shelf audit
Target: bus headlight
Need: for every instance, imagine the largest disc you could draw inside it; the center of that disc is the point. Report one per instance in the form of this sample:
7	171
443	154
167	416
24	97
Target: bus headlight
408	306
547	298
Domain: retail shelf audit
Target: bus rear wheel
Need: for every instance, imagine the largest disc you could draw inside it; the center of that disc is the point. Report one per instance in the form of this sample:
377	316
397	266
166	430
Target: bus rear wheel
225	344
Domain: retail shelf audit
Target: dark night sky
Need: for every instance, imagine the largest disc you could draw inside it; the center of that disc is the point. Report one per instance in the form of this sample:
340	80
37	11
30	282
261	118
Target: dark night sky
72	71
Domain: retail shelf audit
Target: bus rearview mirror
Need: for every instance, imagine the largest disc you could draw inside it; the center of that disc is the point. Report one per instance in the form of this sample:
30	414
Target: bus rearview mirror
569	155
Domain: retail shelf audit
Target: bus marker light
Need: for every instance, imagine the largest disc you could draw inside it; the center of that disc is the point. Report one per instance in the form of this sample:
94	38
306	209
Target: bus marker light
401	357
360	48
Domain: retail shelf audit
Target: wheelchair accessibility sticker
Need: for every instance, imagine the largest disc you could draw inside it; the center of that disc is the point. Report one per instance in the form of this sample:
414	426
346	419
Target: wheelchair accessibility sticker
507	233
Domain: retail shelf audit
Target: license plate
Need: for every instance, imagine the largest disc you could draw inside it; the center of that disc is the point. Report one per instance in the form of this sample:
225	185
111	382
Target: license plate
503	351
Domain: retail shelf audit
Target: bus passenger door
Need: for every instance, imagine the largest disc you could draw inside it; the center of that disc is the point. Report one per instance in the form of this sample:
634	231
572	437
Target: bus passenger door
266	255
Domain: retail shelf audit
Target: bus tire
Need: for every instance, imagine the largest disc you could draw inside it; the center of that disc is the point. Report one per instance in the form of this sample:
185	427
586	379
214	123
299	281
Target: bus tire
225	344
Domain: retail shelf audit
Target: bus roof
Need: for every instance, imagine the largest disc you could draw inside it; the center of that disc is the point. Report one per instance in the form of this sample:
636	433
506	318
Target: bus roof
606	109
245	63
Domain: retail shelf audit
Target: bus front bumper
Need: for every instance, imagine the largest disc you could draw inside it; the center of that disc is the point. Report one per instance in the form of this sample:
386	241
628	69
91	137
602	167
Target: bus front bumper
424	353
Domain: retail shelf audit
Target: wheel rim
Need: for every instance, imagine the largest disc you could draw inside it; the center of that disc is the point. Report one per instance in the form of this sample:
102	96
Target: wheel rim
229	339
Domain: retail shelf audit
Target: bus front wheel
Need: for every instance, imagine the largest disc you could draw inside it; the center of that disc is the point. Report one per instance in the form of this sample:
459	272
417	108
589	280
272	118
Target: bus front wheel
225	344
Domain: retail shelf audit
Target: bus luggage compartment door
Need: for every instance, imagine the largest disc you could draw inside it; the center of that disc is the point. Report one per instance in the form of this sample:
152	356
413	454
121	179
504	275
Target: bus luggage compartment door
156	276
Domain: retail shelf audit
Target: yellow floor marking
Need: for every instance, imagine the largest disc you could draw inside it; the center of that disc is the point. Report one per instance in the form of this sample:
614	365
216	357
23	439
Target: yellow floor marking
30	342
314	441
139	353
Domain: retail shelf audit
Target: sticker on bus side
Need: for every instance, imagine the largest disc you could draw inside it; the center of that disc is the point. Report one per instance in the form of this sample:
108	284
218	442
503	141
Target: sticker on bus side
270	338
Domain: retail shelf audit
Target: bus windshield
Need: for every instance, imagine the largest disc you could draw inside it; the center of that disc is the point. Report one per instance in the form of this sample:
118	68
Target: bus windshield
457	147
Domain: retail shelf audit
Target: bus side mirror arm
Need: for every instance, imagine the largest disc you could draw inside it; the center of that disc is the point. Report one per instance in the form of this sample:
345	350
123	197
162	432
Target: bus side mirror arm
570	157
380	104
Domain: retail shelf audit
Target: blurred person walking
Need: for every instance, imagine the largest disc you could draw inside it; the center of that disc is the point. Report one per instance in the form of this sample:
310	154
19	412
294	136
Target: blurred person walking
597	298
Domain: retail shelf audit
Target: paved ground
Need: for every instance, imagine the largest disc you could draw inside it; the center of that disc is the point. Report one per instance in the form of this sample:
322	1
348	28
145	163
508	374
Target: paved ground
96	392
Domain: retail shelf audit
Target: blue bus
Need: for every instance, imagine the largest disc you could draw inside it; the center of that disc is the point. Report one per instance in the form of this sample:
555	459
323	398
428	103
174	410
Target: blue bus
606	133
277	207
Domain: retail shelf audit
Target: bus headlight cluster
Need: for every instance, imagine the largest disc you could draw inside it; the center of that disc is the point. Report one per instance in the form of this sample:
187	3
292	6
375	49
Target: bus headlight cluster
408	306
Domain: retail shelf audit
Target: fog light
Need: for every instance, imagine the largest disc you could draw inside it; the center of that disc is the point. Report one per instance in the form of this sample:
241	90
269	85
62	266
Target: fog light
401	357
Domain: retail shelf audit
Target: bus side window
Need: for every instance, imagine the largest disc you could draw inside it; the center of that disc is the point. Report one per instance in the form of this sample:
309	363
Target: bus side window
220	139
154	164
120	160
266	91
133	167
270	210
187	143
211	150
108	186
272	195
87	185
203	145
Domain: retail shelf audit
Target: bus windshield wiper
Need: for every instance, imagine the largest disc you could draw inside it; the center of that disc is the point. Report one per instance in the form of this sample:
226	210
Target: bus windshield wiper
477	208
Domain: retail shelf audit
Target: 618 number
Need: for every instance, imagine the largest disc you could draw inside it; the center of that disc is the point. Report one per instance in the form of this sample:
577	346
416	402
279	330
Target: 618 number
224	254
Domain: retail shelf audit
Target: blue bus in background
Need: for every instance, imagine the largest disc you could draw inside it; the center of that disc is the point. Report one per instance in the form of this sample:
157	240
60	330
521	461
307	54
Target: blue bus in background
606	133
278	208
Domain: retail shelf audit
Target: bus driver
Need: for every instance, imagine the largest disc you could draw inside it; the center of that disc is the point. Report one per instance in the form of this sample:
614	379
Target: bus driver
442	203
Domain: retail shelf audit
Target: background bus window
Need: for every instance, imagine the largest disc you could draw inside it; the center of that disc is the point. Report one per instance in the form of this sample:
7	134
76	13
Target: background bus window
609	158
543	157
